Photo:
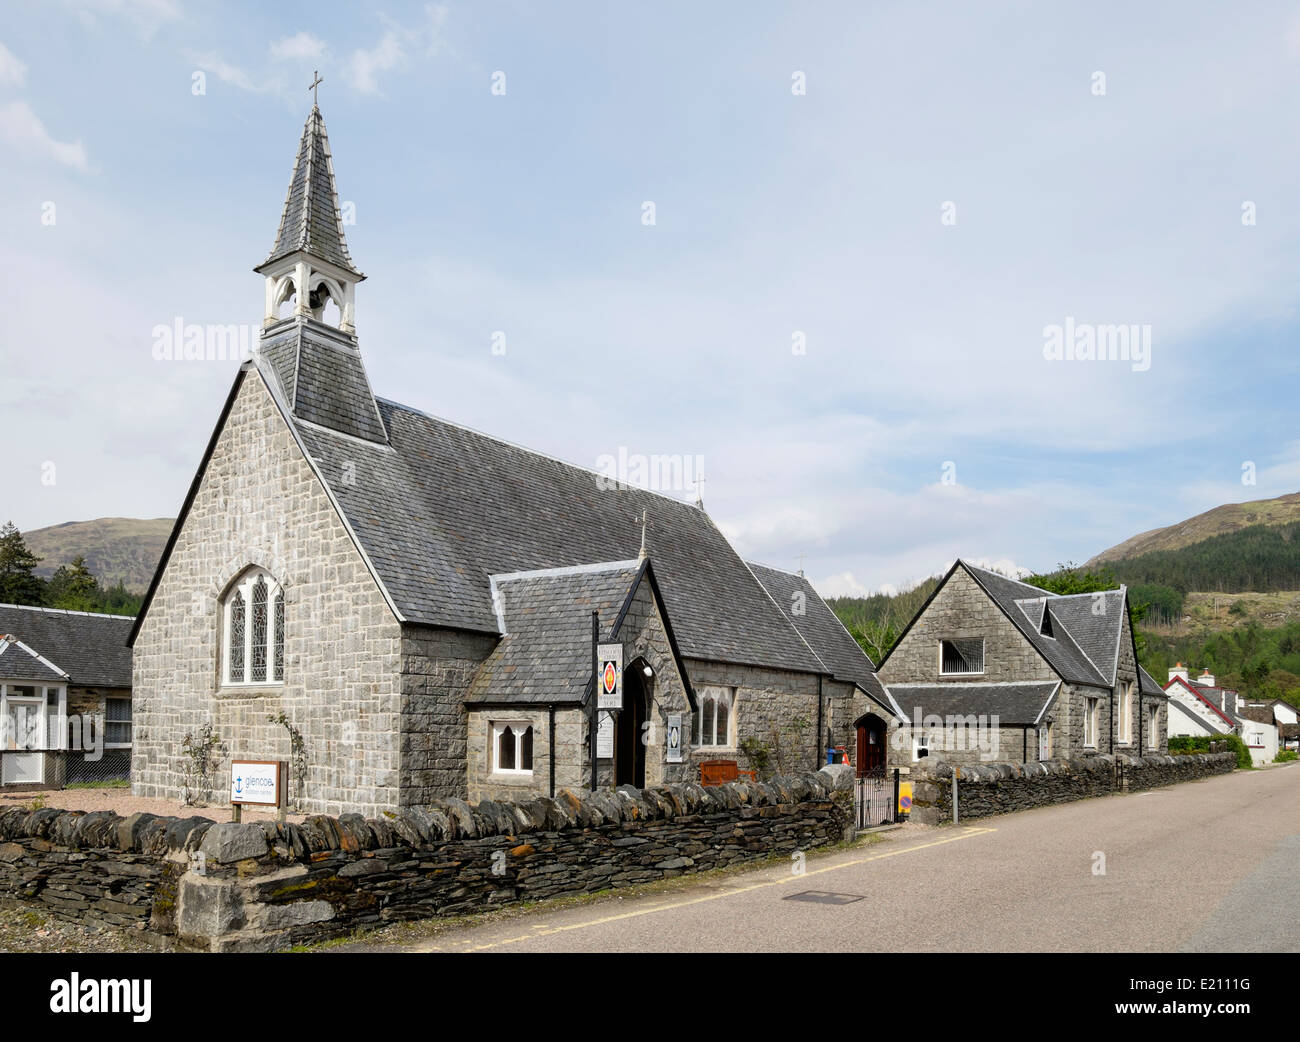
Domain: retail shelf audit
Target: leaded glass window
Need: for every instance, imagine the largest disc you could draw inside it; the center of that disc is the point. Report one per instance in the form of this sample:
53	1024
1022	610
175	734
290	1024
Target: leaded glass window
254	630
238	637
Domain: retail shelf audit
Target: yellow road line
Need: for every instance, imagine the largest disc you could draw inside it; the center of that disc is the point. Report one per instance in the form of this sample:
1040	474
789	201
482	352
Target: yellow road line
967	832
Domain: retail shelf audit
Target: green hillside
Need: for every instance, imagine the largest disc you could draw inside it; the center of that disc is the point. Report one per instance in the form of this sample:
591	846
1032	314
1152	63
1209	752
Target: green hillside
122	550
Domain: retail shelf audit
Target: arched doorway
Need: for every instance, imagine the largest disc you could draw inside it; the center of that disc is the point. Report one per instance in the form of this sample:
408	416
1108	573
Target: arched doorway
871	746
629	746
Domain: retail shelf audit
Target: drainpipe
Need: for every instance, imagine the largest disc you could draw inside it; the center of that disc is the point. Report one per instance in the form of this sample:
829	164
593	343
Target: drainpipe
817	748
551	743
1024	745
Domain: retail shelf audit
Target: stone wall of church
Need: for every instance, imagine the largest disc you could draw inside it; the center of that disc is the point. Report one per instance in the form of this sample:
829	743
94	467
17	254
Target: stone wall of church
437	667
777	708
260	503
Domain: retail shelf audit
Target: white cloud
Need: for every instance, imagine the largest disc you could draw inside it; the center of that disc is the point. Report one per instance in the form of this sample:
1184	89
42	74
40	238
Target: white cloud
12	71
364	64
146	15
394	48
22	130
225	72
299	47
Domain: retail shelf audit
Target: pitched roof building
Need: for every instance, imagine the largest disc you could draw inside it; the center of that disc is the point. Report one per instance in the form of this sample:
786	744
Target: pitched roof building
417	597
64	676
1042	675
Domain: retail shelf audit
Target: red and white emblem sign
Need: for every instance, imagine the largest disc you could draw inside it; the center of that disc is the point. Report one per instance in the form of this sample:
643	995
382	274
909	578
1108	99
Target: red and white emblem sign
610	658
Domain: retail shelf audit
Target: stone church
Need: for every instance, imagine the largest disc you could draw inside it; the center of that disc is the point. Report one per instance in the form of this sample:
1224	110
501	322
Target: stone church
415	599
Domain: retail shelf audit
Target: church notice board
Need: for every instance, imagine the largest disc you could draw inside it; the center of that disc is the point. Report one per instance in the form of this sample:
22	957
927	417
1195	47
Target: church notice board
259	783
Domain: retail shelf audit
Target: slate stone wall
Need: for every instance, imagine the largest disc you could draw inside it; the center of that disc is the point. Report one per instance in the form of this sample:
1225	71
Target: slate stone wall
262	886
260	503
998	788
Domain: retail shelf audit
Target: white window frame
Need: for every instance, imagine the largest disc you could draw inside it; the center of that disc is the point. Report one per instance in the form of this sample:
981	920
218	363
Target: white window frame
130	722
970	673
1153	727
1091	712
715	695
245	588
517	728
1125	736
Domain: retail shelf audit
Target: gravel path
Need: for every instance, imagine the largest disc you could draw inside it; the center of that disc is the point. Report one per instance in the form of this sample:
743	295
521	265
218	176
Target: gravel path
121	801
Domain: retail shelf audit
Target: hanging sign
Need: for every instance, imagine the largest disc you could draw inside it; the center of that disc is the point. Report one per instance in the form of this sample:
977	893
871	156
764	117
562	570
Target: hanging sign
673	743
604	736
609	659
259	782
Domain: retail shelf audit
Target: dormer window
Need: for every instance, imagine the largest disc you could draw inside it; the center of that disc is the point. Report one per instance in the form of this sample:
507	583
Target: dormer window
1046	627
961	657
253	630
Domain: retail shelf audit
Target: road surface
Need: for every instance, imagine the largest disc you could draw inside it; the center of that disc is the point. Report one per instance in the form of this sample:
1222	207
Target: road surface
1203	866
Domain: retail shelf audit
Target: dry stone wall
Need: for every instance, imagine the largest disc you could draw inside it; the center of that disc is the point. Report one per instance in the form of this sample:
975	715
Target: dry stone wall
263	886
998	788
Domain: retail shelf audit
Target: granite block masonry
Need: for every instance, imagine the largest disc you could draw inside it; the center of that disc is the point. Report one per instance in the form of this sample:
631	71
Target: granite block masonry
264	886
999	788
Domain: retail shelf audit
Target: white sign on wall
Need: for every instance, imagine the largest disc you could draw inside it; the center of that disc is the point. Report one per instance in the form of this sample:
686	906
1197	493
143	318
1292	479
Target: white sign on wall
673	743
257	782
604	736
609	659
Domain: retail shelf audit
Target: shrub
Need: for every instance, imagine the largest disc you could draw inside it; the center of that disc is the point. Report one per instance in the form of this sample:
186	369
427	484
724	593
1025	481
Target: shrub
1181	745
1283	755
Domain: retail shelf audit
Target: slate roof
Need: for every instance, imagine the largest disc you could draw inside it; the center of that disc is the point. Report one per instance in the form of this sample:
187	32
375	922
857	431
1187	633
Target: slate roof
1013	704
1196	691
1176	706
1085	644
323	378
1260	714
19	662
311	219
90	648
821	630
545	653
441	508
1148	685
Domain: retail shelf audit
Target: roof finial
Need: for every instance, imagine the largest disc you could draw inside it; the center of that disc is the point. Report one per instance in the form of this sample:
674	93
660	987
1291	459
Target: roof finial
645	523
700	479
316	81
801	558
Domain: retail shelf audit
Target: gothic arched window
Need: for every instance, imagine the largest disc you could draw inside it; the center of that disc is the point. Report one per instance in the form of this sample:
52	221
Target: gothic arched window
253	630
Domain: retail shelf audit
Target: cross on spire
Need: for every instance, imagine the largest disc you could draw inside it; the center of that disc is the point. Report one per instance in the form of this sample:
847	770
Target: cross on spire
316	80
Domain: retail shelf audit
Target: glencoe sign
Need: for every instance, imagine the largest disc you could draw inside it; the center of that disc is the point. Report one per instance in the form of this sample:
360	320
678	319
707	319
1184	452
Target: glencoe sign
258	782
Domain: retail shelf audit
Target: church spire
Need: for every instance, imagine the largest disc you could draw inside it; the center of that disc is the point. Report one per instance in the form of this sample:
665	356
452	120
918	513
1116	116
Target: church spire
316	363
310	249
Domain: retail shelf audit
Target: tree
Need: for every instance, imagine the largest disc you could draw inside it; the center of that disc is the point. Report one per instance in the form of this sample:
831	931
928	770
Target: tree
19	583
74	587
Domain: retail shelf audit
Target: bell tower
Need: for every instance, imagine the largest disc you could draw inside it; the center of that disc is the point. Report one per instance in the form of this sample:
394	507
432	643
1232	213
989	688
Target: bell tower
309	263
316	362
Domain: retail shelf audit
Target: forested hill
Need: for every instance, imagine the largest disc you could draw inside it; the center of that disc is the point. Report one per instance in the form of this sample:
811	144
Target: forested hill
1260	559
878	620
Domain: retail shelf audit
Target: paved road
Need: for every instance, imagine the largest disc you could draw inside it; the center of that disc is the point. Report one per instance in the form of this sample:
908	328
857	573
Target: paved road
1203	866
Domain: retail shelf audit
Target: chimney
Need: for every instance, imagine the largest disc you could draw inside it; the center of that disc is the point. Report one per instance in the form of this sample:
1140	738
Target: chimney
1206	678
1178	671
